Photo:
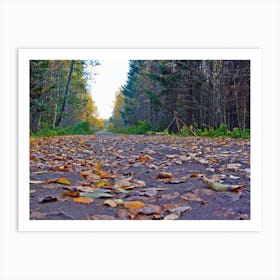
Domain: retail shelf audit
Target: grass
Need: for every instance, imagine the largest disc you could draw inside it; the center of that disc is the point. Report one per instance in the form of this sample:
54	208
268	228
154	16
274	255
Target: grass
145	127
83	128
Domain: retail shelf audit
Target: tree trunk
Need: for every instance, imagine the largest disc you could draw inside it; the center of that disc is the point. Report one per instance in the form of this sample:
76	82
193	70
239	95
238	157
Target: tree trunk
65	94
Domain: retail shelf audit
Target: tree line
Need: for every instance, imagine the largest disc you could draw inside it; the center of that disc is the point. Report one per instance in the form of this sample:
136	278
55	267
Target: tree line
201	93
59	94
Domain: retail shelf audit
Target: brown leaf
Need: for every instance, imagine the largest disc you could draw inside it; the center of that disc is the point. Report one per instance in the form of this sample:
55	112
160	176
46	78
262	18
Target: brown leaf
106	175
133	204
89	175
170	195
71	193
164	175
144	158
192	197
86	200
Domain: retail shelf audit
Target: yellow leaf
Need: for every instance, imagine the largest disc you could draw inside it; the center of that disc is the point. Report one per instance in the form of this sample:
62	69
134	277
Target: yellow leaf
99	165
86	200
64	181
133	204
101	183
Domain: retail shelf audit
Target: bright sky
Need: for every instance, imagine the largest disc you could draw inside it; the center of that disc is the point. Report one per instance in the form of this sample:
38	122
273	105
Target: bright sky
112	74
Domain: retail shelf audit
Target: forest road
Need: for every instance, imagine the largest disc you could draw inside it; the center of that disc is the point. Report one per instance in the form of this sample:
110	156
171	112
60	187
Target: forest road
104	132
109	176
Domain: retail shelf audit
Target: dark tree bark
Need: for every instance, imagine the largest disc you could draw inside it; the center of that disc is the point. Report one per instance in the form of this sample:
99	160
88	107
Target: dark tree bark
59	118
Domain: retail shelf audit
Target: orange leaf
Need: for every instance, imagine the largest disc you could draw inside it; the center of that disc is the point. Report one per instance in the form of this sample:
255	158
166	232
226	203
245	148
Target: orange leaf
99	165
86	200
133	204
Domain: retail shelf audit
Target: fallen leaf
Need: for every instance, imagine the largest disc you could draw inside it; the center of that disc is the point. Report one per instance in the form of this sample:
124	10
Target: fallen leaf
110	202
101	183
144	158
71	193
151	193
95	195
133	204
89	175
170	195
234	166
173	216
220	187
181	209
119	201
64	181
127	182
150	209
171	156
86	200
138	183
192	197
47	199
106	175
35	182
99	166
164	175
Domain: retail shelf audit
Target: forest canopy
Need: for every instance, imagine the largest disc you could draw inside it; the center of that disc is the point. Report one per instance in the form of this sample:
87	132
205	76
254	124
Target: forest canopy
202	93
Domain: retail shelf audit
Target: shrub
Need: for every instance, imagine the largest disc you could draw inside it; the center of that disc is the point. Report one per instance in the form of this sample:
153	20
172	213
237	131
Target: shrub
184	131
141	128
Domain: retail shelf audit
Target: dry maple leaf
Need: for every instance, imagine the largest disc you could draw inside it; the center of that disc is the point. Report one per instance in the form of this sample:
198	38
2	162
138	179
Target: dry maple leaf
86	200
133	204
164	175
71	193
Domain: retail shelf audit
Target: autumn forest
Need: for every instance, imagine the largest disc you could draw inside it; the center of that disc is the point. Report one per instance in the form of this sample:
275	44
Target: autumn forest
176	146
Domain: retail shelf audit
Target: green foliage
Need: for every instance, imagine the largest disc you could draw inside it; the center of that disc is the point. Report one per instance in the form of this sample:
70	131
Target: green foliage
78	128
142	127
82	128
184	131
222	131
238	133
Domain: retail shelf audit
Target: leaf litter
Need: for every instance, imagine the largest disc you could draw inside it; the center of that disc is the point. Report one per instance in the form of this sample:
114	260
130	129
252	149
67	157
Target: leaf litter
170	178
